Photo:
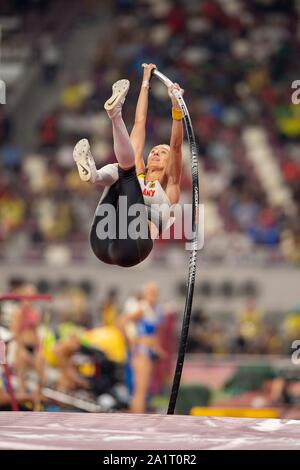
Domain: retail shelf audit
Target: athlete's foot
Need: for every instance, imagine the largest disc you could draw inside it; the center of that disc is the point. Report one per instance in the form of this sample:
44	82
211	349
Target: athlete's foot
114	104
85	161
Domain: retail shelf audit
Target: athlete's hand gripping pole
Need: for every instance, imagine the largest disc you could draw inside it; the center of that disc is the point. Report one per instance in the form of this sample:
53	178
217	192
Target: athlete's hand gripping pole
168	83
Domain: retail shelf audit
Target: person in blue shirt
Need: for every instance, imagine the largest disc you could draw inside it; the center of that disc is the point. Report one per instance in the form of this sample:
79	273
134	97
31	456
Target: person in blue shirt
146	316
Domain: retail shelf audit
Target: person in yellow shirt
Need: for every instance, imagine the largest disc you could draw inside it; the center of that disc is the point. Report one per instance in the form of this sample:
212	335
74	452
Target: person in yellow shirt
110	309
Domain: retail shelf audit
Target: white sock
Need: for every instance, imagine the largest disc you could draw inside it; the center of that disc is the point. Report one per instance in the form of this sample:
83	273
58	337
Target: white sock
107	175
122	146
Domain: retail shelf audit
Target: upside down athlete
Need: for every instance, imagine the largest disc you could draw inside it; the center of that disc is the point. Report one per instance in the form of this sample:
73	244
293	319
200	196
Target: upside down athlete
156	183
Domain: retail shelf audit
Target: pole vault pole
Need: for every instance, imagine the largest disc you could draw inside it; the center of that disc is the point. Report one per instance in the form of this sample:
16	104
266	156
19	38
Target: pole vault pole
194	248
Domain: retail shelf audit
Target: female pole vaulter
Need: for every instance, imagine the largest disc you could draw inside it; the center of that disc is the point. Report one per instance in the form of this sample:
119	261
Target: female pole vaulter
151	185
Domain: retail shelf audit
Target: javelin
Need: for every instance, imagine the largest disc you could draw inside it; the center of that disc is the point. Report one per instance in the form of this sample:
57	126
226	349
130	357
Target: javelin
193	254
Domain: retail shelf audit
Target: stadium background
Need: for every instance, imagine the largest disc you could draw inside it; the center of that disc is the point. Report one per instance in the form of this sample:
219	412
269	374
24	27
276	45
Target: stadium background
237	61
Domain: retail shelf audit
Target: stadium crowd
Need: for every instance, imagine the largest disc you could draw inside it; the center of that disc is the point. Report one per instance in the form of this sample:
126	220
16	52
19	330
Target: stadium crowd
236	60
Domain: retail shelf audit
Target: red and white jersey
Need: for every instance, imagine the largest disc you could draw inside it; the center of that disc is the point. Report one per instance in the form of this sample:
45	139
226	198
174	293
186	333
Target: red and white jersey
156	199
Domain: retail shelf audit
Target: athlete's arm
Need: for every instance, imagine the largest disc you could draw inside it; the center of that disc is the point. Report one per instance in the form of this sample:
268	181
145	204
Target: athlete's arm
174	168
16	323
133	316
138	133
5	399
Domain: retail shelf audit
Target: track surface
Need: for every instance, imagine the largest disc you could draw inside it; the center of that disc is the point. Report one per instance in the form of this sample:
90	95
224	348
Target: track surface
125	431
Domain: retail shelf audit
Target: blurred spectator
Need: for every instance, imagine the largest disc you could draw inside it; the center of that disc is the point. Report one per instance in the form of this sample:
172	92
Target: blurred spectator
249	327
266	229
146	316
48	131
6	126
24	327
69	377
109	310
50	58
290	245
75	94
292	324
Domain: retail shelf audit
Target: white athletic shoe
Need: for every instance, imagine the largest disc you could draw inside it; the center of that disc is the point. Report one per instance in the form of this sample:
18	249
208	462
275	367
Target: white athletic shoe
119	91
85	161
